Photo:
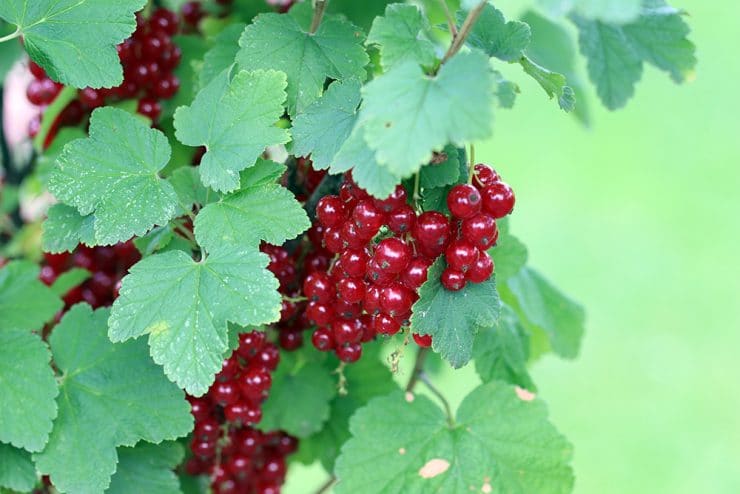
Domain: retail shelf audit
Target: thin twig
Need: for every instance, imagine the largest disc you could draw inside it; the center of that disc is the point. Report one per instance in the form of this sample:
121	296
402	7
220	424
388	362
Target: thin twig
471	163
448	410
318	14
450	19
327	485
459	40
10	36
418	369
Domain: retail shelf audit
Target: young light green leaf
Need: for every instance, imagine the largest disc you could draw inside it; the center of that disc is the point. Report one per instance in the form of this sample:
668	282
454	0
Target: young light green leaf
509	255
184	306
455	106
498	38
17	472
501	442
268	212
65	228
75	41
235	121
454	318
147	468
554	84
114	174
327	123
616	53
69	279
506	91
263	173
400	36
276	41
223	53
357	156
28	388
501	353
25	302
111	395
613	11
545	307
308	384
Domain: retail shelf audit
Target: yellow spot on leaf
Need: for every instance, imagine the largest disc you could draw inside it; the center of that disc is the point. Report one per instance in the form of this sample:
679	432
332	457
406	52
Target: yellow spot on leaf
434	467
158	328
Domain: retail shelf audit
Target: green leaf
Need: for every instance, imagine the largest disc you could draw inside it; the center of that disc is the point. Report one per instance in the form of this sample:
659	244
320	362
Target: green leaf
184	307
498	38
268	212
16	469
25	302
616	53
114	174
454	318
46	162
189	188
509	255
223	53
276	41
366	379
501	442
70	279
235	121
616	11
356	155
444	170
308	384
110	395
147	468
400	36
455	106
74	41
327	123
501	353
65	228
28	388
506	91
549	310
554	84
263	173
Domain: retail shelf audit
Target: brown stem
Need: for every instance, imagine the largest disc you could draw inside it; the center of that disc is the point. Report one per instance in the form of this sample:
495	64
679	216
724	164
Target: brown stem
418	369
318	14
448	410
327	485
459	40
450	19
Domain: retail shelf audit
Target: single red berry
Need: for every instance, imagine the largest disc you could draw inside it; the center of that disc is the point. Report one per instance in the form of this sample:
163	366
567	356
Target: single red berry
367	218
317	287
432	232
239	466
91	98
484	176
248	441
102	284
273	469
346	331
401	220
170	59
464	201
392	255
353	237
385	324
351	290
323	339
150	108
415	273
423	340
461	255
203	449
207	430
393	202
250	343
498	199
377	275
255	382
224	393
453	280
396	299
268	357
349	353
192	13
482	269
354	262
229	369
42	91
164	20
371	303
166	87
330	211
319	314
36	70
480	230
346	310
48	275
333	241
290	340
286	444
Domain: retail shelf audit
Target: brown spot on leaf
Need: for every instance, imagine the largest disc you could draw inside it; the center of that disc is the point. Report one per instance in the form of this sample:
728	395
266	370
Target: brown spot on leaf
434	467
524	395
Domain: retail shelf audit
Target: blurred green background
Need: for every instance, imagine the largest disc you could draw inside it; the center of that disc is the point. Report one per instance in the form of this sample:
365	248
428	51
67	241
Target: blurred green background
638	218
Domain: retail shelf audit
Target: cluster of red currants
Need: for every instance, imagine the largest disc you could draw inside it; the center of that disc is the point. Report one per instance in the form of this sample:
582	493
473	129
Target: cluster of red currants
149	58
107	265
237	457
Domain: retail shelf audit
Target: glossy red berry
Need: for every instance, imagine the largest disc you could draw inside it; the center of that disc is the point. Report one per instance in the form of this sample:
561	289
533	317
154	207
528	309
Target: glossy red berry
432	232
453	280
351	290
464	201
255	382
319	314
333	241
91	98
250	343
482	269
498	199
166	87
42	91
323	339
385	324
396	299
150	108
224	393
461	255
346	331
330	211
484	176
367	218
415	273
354	262
268	357
164	20
401	220
393	202
349	353
480	230
36	70
192	13
207	431
318	287
424	341
377	275
371	303
392	255
353	237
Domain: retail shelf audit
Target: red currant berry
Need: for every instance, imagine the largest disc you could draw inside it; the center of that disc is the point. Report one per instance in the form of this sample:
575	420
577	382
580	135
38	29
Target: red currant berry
392	255
150	108
482	269
200	408
239	466
319	314
290	340
377	275
432	232
317	287
203	449
166	87
345	331
415	273
207	431
498	199
349	353
330	211
255	382
385	324
461	255
229	369
453	280
224	393
353	237
42	91
268	357
354	262
424	341
333	241
367	218
323	339
192	13
480	230
250	343
396	299
248	441
164	20
36	70
351	290
464	201
393	202
484	176
170	59
401	220
345	310
371	303
91	98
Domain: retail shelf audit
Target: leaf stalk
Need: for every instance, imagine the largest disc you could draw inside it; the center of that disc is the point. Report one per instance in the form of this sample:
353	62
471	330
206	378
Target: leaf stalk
459	40
318	14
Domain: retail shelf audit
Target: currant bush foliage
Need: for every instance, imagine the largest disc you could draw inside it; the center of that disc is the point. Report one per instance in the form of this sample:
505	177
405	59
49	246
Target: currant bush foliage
391	92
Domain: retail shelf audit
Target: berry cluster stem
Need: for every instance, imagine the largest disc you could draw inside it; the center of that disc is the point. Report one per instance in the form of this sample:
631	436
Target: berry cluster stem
421	356
448	410
471	164
459	40
318	14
